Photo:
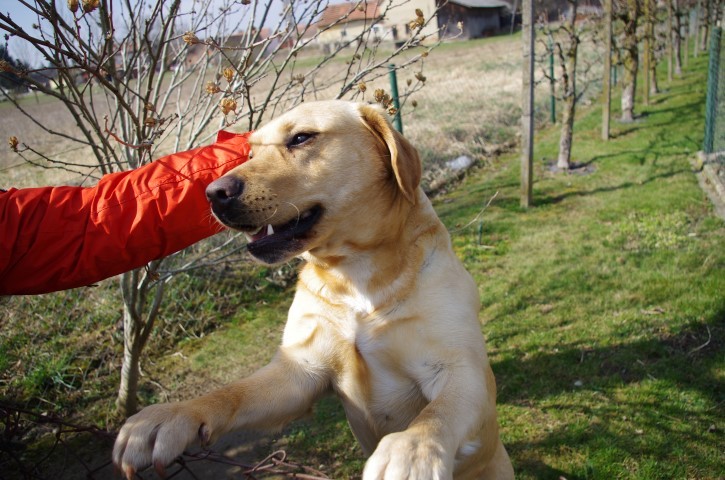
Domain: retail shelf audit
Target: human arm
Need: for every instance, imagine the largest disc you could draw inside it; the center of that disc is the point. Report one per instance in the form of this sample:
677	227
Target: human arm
56	238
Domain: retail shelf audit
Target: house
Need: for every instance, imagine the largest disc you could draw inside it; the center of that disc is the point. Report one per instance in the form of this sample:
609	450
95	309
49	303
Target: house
477	18
399	15
394	20
341	23
235	45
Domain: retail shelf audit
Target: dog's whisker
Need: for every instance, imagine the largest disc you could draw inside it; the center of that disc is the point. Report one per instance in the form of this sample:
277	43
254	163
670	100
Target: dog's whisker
271	214
299	213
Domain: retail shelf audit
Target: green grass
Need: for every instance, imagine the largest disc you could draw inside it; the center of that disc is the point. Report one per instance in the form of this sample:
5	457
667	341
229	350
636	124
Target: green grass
602	306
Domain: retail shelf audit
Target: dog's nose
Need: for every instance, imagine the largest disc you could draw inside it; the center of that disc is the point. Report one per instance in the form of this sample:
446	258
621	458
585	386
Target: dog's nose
223	190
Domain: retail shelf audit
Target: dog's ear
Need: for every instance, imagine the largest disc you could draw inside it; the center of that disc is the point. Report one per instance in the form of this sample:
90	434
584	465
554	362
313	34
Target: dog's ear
404	158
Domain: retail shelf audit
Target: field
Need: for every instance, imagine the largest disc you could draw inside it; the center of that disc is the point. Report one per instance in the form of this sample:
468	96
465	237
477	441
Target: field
603	305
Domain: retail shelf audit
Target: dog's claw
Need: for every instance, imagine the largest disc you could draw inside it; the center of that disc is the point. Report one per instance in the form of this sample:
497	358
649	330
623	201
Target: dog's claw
204	435
129	472
160	469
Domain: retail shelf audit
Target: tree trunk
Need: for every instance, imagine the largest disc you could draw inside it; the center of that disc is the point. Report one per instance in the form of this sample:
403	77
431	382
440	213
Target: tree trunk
629	14
567	133
568	83
137	326
677	38
696	28
127	400
647	49
654	87
630	62
705	24
651	21
670	41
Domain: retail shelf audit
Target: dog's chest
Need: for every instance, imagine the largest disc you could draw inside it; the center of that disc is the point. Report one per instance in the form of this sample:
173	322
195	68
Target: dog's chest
376	381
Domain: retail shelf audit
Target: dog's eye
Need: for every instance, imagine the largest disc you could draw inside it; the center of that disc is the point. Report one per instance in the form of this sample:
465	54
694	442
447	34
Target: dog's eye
299	138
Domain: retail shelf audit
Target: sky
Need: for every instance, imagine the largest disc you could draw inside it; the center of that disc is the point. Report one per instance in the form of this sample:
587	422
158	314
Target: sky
26	18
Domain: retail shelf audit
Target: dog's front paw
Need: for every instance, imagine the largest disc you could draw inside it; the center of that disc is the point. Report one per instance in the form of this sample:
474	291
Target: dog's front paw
156	436
405	455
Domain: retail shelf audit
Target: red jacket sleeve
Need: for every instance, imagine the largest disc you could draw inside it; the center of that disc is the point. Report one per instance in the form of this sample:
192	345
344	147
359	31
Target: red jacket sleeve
56	238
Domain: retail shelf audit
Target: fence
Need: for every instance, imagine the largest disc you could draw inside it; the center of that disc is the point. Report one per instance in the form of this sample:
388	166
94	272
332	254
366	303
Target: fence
74	451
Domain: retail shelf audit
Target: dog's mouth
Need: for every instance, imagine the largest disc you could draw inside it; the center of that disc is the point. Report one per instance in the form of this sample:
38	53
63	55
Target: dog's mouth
274	243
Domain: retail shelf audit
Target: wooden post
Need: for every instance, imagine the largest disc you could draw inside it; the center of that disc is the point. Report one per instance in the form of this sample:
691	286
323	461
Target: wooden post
527	107
607	82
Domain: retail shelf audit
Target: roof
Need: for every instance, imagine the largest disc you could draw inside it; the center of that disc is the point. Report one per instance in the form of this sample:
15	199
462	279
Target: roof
348	12
482	3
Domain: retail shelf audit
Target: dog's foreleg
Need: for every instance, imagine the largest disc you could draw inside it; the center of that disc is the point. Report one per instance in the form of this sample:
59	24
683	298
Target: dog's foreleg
268	399
461	403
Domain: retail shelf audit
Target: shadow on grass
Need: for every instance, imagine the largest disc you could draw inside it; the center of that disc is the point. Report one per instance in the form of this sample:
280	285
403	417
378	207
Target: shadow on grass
554	199
666	414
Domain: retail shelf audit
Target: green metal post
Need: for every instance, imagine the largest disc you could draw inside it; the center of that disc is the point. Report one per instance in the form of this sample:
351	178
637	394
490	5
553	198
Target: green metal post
397	120
712	85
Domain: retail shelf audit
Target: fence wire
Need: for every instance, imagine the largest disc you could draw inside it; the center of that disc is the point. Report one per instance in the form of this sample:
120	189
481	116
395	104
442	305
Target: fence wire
70	451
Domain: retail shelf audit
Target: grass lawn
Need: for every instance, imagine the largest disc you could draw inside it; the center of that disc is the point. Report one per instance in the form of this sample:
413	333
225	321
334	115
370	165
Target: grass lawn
604	305
603	308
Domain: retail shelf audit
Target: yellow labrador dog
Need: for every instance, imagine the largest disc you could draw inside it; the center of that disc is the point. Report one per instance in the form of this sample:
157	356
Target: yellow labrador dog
385	315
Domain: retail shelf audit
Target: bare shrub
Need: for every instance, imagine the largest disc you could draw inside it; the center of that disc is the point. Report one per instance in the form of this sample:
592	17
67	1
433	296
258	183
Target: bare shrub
155	78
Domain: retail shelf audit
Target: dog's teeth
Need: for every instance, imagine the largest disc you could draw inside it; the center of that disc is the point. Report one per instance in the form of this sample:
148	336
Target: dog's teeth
270	230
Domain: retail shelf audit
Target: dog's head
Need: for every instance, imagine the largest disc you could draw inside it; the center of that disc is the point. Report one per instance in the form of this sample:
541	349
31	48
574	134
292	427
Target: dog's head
326	177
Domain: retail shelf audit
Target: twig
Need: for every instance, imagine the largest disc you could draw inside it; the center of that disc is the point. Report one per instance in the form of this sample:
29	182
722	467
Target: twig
276	463
478	215
141	146
709	338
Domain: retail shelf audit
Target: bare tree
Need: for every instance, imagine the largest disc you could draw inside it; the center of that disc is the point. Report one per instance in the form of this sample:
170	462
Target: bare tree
144	77
567	51
628	12
564	40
